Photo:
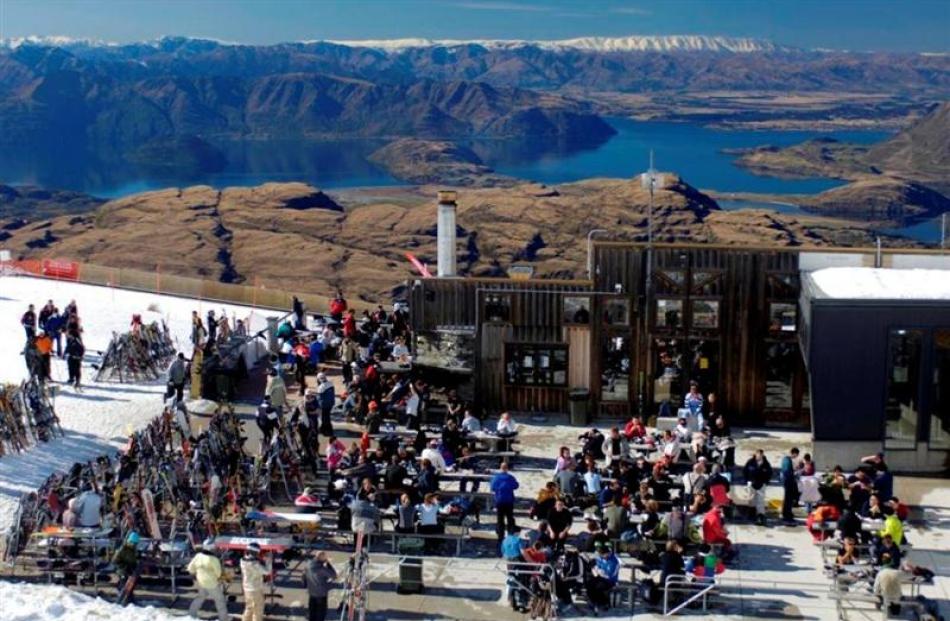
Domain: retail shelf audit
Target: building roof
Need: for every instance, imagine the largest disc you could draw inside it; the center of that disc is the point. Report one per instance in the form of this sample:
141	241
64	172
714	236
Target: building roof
866	283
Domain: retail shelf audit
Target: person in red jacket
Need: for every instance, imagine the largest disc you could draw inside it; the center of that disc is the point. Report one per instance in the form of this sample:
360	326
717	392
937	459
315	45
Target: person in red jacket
634	429
349	324
338	306
715	533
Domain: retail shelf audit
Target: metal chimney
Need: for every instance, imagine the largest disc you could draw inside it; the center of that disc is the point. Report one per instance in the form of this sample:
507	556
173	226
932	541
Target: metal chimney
446	234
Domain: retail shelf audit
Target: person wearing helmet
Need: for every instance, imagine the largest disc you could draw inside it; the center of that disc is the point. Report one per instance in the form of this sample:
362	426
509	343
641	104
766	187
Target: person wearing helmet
126	561
206	568
253	572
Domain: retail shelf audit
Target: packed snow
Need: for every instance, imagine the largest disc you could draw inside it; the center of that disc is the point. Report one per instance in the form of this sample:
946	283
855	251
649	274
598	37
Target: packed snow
865	283
670	43
45	602
100	418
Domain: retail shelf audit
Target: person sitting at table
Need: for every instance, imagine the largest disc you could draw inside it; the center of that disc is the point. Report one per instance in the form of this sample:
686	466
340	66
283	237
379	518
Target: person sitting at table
470	424
635	429
848	553
615	449
651	520
366	490
693	401
507	429
660	482
544	501
693	482
535	553
434	455
669	445
564	459
849	525
506	426
428	513
701	504
901	510
892	526
817	519
427	481
872	509
569	482
559	521
593	443
395	474
468	462
604	577
452	439
593	534
592	482
682	432
542	534
718	487
612	490
640	497
887	554
860	486
616	517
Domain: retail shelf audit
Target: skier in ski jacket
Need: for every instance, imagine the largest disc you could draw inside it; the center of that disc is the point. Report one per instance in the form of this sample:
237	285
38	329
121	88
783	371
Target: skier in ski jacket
28	321
206	568
253	573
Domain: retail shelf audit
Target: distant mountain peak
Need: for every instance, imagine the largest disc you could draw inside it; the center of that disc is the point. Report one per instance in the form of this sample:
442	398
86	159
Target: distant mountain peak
632	43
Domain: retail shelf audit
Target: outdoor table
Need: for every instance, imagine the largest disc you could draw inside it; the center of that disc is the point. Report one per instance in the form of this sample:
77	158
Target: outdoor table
871	525
391	367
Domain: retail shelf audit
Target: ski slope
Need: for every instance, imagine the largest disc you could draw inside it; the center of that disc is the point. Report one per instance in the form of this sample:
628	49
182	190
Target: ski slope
43	602
100	418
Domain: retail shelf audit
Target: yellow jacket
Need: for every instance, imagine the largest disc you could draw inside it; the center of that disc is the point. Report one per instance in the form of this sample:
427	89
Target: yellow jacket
206	569
894	528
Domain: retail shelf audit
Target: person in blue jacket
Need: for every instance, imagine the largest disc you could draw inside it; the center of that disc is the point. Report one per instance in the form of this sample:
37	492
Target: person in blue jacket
604	577
503	486
789	485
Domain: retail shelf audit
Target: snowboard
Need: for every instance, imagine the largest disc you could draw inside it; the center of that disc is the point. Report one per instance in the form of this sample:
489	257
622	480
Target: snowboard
149	503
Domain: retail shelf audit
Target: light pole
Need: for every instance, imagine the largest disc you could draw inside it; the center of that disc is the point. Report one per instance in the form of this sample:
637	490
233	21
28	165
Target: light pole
650	180
590	251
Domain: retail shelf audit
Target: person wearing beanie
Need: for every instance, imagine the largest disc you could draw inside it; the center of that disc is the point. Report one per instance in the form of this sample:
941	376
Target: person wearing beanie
206	568
253	573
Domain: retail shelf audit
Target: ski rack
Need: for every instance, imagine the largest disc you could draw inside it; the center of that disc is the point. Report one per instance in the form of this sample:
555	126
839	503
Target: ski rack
137	356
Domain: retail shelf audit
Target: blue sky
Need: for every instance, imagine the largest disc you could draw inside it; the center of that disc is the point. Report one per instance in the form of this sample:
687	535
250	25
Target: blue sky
908	25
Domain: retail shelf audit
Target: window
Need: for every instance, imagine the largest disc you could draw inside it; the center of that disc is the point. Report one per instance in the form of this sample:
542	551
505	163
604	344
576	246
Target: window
903	382
576	310
704	364
669	313
781	360
616	312
615	368
668	377
705	314
535	365
707	283
497	307
782	318
669	281
940	402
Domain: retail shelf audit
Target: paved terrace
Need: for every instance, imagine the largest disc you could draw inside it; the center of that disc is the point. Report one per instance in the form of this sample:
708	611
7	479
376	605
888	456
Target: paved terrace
777	575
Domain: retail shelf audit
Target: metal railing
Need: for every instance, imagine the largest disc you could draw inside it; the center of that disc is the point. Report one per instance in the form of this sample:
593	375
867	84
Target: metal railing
700	589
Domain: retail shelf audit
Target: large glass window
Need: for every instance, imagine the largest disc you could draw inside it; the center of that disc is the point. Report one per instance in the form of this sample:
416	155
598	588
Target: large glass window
576	310
497	307
940	403
535	365
781	360
615	368
616	312
705	314
903	382
782	317
669	313
668	376
704	364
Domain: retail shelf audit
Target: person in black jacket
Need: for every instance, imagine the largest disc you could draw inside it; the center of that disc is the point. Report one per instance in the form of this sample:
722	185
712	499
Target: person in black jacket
758	473
671	562
28	321
75	351
318	579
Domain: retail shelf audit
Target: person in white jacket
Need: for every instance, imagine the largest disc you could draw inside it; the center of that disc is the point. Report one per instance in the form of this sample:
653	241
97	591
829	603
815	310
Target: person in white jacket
432	453
253	572
206	568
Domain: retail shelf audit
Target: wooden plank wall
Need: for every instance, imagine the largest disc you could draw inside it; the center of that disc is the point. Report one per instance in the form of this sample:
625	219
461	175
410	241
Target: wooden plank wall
579	353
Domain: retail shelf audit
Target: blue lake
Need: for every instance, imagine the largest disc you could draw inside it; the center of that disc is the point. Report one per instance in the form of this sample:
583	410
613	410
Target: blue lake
689	149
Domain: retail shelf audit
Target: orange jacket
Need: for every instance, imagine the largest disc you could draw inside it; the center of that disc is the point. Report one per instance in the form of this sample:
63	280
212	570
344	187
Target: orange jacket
44	344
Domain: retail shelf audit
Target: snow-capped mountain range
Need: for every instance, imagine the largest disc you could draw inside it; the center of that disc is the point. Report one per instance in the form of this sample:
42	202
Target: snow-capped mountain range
633	43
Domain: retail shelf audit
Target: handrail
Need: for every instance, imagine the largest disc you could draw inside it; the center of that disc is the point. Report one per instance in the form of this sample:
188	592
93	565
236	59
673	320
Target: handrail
682	580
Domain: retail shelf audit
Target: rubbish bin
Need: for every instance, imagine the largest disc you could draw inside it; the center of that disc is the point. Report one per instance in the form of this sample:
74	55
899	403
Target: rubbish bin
580	406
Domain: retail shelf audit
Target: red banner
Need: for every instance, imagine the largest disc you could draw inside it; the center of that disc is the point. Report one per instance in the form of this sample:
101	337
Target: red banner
59	268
